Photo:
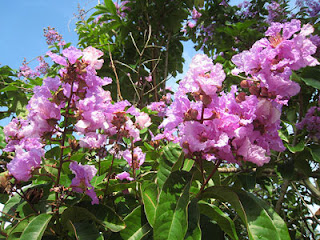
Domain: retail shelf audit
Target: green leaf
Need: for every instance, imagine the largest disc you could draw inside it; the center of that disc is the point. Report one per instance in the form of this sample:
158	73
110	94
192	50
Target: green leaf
209	228
101	214
171	221
149	193
222	219
36	227
297	148
9	88
110	6
11	205
315	152
261	220
2	138
137	225
194	231
96	180
16	231
87	230
283	136
170	156
312	82
188	164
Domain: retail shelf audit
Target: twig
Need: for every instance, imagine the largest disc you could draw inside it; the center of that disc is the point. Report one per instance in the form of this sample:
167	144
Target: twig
283	191
167	57
305	204
126	65
74	229
210	176
312	188
164	80
134	86
115	73
134	43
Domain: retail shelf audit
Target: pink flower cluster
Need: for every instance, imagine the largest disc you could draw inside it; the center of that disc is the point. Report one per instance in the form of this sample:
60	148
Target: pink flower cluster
275	11
27	72
210	124
78	92
235	126
81	182
311	122
52	36
271	60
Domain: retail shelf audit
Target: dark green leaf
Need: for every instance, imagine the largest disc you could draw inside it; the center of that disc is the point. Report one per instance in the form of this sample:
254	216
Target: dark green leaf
261	220
149	193
315	152
171	220
312	82
170	156
101	214
194	231
297	148
87	230
222	219
36	227
137	225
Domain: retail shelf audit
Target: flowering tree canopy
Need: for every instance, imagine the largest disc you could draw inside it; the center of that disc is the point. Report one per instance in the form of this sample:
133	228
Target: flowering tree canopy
99	146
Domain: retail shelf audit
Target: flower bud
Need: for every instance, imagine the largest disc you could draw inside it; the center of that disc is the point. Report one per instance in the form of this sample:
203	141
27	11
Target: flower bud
264	92
244	84
205	99
241	97
254	90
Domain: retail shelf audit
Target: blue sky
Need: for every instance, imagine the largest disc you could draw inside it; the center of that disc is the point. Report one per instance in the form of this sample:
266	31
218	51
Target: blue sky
22	23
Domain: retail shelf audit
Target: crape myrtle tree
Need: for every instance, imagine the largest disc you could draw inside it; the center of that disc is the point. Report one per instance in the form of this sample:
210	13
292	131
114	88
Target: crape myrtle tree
100	147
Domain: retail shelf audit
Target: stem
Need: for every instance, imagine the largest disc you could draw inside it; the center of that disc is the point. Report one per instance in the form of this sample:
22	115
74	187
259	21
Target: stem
202	113
154	77
132	161
64	134
109	175
209	177
119	96
283	191
24	197
201	169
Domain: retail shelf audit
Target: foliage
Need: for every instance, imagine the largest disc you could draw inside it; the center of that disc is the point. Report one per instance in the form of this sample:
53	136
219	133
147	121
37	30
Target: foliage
96	152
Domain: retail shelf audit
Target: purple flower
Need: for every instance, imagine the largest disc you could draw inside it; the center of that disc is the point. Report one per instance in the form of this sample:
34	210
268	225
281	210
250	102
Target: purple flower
72	54
93	140
91	55
311	122
253	153
124	176
138	157
57	58
52	36
81	182
53	84
24	163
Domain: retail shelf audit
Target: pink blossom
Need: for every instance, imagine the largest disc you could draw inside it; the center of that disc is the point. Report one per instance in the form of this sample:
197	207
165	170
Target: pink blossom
91	55
81	182
93	140
149	78
72	54
138	157
143	120
253	153
52	83
23	164
124	176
